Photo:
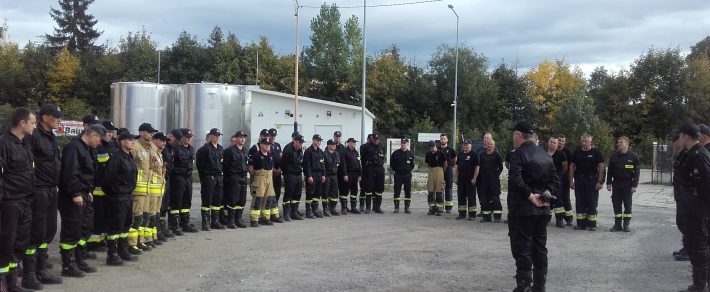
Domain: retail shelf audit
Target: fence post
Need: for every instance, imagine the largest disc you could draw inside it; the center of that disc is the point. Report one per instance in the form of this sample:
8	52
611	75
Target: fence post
654	171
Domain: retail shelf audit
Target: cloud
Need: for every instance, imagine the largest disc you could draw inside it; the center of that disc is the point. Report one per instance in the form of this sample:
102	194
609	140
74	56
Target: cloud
586	33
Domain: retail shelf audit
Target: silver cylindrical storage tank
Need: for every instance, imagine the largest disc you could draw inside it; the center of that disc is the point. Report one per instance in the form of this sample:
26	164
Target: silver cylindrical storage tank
134	103
174	106
204	109
233	103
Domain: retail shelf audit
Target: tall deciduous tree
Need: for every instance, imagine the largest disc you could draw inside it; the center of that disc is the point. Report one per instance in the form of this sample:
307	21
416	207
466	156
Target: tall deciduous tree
13	77
139	56
62	75
186	60
552	84
75	26
326	58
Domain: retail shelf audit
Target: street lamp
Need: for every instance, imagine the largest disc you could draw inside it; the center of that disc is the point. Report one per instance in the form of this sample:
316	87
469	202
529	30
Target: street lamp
298	48
456	74
364	70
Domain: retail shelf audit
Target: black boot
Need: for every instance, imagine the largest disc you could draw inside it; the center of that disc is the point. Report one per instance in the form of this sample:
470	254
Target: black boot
222	214
592	225
560	220
274	218
69	267
79	255
13	282
472	215
314	209
617	225
29	272
353	207
700	283
238	218
43	271
368	204
377	204
294	212
214	224
326	208
439	199
309	212
523	281
497	217
447	193
569	219
85	254
205	220
265	221
396	207
344	207
581	224
123	250
161	230
112	258
431	201
627	220
406	206
173	225
333	208
185	223
462	214
362	203
229	219
539	280
287	212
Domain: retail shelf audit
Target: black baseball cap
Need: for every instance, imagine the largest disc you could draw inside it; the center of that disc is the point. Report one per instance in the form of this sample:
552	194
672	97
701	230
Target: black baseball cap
264	141
352	140
98	128
272	132
121	130
240	134
177	133
369	136
160	136
375	136
50	109
317	137
264	132
337	134
215	132
186	133
704	129
125	135
108	125
467	141
146	127
404	141
298	137
691	130
331	142
431	143
524	127
90	119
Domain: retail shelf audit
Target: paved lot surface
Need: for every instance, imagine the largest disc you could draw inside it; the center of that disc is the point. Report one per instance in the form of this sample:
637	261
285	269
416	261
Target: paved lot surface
399	252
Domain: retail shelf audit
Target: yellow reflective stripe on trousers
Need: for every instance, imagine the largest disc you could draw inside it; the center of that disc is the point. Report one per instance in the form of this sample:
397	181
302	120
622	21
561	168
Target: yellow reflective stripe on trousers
216	208
123	235
30	251
98	191
205	208
103	157
81	242
95	238
627	215
618	215
449	204
569	213
275	211
174	211
65	246
581	216
592	217
474	209
184	210
113	236
43	246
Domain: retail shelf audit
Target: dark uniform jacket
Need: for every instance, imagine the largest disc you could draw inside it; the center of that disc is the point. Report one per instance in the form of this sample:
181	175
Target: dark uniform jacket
331	162
103	155
373	155
183	158
209	159
351	159
437	159
235	161
558	158
402	162
342	151
260	161
292	160
694	182
313	162
276	152
491	164
586	162
47	158
18	171
624	167
121	174
167	154
450	154
467	162
531	171
78	169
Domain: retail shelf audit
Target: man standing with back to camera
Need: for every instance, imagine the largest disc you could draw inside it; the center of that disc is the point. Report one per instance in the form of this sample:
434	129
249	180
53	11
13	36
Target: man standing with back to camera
532	182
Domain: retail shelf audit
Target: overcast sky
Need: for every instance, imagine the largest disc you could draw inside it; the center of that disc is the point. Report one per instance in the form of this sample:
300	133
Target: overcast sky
585	33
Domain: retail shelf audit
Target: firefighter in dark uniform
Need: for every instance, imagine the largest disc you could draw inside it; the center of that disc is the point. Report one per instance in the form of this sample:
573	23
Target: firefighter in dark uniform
120	180
488	183
450	153
181	185
532	183
373	157
174	137
254	150
693	204
209	166
313	170
682	254
402	163
468	168
276	153
235	181
261	166
586	177
561	164
565	190
76	182
332	164
97	239
353	169
47	159
622	180
436	160
16	199
292	169
343	190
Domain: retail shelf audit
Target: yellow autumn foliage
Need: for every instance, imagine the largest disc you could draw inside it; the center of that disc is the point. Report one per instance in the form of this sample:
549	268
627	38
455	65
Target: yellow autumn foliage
61	76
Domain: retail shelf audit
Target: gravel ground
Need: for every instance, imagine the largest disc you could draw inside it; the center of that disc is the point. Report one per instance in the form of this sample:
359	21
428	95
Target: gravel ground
400	252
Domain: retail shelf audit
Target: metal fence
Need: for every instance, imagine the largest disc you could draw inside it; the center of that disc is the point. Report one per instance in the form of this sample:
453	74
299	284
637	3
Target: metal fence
662	168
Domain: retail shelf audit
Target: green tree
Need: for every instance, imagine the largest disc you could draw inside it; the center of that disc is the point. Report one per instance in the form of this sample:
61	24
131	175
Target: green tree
550	85
13	77
351	90
185	60
138	54
75	29
93	81
37	59
62	75
700	50
225	59
576	117
326	59
266	64
698	86
515	103
75	109
386	81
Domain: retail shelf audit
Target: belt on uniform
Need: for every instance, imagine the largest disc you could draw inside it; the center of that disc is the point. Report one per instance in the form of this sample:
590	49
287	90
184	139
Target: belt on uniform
587	176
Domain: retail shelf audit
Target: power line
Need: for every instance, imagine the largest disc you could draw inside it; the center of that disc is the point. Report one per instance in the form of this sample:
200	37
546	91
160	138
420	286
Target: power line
380	5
